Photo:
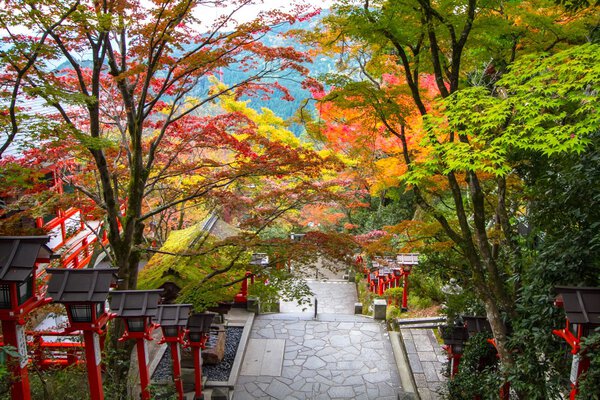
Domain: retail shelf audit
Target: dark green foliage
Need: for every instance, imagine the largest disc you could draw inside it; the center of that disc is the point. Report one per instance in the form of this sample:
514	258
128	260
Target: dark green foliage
590	381
477	372
561	248
392	207
280	285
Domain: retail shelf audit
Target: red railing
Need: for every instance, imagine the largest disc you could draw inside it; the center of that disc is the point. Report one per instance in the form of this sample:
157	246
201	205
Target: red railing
49	354
60	221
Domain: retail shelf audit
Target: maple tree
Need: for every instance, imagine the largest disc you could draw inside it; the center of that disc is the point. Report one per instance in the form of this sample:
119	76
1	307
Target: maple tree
457	155
130	106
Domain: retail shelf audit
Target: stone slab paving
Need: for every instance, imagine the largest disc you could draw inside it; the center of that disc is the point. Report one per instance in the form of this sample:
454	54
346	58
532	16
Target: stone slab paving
333	357
334	297
427	359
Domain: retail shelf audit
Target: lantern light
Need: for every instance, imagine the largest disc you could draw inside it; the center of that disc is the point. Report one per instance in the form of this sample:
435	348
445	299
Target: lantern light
5	302
80	312
136	324
170	331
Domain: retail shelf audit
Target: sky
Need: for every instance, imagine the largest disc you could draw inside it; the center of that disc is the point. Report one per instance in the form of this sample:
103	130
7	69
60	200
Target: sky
249	12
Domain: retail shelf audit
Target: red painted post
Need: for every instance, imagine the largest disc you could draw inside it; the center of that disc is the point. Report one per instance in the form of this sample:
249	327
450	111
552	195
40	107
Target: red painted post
405	292
143	368
15	336
92	346
84	245
176	369
197	373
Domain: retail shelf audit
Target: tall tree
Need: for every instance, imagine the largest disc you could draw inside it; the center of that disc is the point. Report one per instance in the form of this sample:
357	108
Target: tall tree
130	83
451	41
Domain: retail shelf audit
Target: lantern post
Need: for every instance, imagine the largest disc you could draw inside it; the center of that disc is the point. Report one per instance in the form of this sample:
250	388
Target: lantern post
406	261
198	330
83	293
136	308
582	309
20	257
454	338
173	319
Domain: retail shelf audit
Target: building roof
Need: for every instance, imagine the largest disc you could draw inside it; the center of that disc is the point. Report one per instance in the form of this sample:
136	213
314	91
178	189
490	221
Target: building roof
582	304
173	314
134	303
18	255
80	285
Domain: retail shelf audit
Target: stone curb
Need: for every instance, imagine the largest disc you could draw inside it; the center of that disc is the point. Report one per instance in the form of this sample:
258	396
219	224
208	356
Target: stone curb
239	356
406	376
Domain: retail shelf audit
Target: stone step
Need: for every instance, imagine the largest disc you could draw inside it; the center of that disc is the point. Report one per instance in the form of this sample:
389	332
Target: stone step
417	321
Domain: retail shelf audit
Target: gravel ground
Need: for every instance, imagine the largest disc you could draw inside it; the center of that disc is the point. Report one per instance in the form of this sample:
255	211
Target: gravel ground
219	372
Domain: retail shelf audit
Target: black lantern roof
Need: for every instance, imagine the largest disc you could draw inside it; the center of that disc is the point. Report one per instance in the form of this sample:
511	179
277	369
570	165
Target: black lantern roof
476	324
173	314
80	285
259	259
582	304
135	303
200	322
297	236
454	335
18	255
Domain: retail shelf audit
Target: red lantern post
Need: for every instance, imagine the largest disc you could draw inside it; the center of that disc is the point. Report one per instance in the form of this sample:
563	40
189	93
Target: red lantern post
582	308
406	261
172	319
136	307
19	295
84	293
198	330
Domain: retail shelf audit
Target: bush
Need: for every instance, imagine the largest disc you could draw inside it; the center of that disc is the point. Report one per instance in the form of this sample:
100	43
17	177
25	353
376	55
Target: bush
590	381
393	312
418	303
364	295
395	294
477	373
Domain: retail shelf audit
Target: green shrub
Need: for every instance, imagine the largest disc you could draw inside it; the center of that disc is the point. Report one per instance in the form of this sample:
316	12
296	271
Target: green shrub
395	294
418	303
364	295
590	381
393	312
477	372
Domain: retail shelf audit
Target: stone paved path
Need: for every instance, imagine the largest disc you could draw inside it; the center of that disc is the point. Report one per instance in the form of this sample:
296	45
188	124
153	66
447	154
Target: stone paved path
334	296
334	357
337	356
426	359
